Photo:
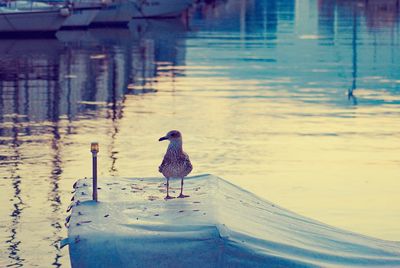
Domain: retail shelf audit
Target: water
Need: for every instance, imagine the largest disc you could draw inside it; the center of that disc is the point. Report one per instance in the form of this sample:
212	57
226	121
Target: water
296	101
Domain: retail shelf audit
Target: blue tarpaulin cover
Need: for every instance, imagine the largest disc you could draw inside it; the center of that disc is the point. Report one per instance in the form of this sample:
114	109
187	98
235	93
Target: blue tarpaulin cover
219	225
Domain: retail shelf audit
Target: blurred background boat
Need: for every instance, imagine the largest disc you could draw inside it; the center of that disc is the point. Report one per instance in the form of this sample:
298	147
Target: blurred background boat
159	8
23	16
82	15
31	18
114	13
82	12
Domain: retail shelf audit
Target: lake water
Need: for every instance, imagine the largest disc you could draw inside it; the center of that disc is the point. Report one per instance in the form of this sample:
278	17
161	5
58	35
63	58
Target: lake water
296	101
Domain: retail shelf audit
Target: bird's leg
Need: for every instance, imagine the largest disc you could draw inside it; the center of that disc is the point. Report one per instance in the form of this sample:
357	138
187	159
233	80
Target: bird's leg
181	194
168	196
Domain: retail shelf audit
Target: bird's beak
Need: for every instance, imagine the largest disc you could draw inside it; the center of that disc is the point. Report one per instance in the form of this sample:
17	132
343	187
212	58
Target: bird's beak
162	139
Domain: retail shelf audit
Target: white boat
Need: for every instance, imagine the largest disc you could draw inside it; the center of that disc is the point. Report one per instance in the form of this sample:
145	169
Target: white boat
118	12
82	12
19	21
30	6
159	8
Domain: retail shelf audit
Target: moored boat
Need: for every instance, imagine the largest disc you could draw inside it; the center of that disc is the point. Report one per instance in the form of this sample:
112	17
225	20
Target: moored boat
114	13
19	21
82	12
159	8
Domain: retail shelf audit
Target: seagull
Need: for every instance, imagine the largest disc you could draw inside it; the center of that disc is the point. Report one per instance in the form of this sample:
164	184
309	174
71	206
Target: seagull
176	163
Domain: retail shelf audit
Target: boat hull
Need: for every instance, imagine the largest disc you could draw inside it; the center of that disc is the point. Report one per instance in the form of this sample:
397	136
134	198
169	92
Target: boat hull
118	14
31	22
82	16
159	8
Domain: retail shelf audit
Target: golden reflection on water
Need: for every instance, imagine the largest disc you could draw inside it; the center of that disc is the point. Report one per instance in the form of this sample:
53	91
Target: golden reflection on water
335	165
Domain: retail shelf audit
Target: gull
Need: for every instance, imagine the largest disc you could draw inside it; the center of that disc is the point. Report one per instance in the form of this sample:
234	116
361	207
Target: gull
176	163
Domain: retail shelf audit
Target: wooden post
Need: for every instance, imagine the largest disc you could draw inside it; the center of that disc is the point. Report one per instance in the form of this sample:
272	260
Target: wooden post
94	148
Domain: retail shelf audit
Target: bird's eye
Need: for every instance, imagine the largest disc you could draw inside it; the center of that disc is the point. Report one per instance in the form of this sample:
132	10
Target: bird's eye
173	134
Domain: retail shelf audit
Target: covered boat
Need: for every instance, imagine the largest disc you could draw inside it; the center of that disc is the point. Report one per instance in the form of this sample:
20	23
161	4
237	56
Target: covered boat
219	225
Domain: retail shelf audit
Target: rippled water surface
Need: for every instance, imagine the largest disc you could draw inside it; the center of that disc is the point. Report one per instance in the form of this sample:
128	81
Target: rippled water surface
296	101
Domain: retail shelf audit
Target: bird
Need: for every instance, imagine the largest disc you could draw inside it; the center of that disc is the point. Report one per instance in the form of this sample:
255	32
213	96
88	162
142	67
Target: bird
176	163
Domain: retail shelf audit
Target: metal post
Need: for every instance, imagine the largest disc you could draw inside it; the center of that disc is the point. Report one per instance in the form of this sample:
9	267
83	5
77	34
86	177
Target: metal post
94	148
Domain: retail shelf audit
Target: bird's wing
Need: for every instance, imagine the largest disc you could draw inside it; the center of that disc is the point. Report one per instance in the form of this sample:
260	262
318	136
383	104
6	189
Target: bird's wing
187	164
163	164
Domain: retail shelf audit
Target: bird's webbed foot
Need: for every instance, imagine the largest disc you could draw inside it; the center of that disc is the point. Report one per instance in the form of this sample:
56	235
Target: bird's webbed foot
168	197
183	196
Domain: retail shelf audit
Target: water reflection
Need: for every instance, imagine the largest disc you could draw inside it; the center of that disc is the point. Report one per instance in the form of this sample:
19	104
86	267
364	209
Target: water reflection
47	84
11	161
83	69
275	31
378	14
13	241
54	196
114	114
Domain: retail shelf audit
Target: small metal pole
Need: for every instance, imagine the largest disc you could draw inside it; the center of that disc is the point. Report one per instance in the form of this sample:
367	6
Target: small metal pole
94	148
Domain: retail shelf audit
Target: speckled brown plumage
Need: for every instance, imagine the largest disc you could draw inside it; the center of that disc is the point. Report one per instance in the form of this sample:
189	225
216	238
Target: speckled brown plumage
175	164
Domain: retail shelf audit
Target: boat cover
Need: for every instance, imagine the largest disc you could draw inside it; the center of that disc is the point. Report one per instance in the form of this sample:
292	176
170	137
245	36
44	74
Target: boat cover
219	225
